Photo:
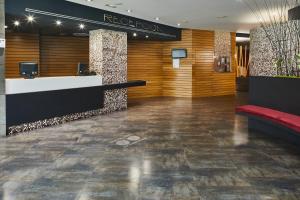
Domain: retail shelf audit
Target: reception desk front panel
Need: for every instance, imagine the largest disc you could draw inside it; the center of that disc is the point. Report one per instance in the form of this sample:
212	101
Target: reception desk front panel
30	100
42	102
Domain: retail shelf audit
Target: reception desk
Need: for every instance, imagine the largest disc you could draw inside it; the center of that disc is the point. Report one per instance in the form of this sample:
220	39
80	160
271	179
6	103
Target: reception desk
32	100
19	85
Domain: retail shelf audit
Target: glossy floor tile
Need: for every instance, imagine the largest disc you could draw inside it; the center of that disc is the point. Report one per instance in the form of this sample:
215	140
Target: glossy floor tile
160	148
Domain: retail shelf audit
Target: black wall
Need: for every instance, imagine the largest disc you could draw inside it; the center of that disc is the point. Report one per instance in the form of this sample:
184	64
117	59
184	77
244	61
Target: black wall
294	14
282	94
71	14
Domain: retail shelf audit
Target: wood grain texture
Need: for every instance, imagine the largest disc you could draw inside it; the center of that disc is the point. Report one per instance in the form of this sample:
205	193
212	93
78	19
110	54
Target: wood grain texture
147	60
61	55
178	82
20	47
57	56
203	47
145	63
225	83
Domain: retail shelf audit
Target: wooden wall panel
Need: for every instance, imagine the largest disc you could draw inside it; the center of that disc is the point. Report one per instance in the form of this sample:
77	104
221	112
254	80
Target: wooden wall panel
178	82
203	46
147	60
20	47
225	83
61	55
207	82
145	63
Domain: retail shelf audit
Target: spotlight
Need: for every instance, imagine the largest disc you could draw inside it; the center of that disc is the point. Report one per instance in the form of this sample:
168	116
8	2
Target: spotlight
134	34
16	23
81	26
58	22
147	36
30	18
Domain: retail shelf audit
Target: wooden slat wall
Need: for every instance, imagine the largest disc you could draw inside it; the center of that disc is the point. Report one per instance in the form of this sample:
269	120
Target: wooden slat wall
207	82
178	82
203	47
225	83
60	55
150	61
19	48
145	63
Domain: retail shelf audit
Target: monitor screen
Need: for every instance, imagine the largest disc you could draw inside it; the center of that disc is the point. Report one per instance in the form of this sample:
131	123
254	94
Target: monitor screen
28	69
179	53
82	69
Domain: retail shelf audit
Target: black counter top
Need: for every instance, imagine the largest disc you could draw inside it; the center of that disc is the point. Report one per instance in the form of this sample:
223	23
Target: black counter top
128	84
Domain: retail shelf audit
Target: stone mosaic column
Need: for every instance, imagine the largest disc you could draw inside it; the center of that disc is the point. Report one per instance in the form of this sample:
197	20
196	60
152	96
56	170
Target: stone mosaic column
2	74
108	58
222	44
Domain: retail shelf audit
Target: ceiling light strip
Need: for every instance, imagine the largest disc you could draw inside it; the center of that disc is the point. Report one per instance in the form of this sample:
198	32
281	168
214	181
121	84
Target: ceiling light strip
95	22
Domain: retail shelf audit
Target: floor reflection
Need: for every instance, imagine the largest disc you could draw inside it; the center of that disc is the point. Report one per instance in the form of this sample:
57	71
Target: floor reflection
194	149
240	132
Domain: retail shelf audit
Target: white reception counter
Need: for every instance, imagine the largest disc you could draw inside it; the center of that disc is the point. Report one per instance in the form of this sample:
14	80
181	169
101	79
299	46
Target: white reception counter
20	85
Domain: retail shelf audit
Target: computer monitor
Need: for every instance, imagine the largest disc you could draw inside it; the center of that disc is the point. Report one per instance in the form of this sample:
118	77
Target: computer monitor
28	70
83	69
179	53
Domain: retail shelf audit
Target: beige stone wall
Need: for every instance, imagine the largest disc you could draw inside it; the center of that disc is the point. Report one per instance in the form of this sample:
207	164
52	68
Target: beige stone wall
222	44
2	74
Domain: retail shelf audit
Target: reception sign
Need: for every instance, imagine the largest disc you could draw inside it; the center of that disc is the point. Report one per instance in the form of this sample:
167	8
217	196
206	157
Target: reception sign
46	11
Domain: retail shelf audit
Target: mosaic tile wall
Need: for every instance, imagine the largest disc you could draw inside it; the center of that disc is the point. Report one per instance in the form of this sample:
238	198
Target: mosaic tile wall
222	44
108	57
261	63
261	53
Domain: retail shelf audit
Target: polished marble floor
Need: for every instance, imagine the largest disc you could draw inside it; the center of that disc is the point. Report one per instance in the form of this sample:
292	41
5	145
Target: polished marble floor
160	148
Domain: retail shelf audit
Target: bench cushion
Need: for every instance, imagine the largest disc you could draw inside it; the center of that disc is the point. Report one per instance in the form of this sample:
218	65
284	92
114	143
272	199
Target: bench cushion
282	118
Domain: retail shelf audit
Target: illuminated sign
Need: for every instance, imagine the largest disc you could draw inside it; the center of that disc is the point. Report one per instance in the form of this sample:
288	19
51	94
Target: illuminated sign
124	21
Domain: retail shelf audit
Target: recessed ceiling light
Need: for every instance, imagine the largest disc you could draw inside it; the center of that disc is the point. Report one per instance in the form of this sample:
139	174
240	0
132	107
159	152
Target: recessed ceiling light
147	36
157	18
5	27
178	24
111	5
129	11
89	0
58	22
81	26
134	34
30	18
16	23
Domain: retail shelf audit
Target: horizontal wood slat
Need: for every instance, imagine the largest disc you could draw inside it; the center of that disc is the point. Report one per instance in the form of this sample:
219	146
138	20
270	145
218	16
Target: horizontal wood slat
147	60
145	63
61	55
20	47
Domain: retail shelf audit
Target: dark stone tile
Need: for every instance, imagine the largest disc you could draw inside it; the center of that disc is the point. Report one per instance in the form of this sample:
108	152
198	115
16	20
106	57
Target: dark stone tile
189	150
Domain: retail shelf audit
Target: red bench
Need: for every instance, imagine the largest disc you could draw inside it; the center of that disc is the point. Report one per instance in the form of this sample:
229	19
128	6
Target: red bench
281	118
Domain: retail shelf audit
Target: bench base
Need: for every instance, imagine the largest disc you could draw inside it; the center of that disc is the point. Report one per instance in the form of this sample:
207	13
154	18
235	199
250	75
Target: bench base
273	129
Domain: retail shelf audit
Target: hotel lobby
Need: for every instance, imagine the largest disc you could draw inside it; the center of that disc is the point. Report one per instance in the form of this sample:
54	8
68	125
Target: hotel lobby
149	100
